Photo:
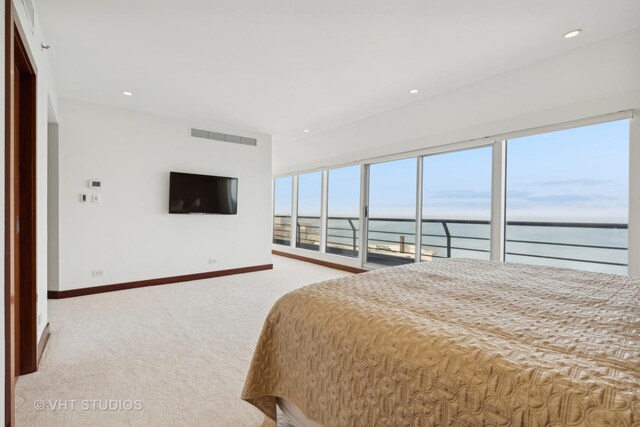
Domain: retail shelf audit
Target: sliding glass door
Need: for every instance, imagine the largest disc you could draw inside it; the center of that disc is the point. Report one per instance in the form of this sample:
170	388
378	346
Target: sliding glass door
391	219
309	208
558	198
456	204
343	211
568	198
282	192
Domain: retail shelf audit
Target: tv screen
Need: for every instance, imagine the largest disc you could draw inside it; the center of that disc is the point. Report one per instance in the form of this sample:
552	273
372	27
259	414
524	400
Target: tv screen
202	194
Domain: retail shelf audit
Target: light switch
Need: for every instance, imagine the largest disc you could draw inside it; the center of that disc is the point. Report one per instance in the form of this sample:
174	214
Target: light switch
83	198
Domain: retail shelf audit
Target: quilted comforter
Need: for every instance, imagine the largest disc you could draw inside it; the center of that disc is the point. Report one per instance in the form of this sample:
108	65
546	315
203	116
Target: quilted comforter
455	343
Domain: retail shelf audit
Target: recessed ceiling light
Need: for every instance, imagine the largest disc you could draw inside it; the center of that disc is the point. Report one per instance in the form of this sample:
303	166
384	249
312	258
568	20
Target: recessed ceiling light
307	131
413	91
127	93
571	34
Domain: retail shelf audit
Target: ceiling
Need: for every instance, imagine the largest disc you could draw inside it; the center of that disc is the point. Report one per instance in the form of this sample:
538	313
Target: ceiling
281	66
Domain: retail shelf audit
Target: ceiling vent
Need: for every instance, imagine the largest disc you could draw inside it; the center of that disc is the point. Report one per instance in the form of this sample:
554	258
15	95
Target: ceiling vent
217	136
31	13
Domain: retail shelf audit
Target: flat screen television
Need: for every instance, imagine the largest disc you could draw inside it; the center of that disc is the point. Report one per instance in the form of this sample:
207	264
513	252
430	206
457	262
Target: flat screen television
202	194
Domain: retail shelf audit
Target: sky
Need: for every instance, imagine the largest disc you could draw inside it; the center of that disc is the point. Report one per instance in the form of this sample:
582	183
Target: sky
575	174
344	192
309	194
282	196
578	174
458	185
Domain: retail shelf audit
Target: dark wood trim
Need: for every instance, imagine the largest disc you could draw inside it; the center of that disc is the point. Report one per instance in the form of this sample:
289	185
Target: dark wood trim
320	262
26	127
154	282
42	343
9	303
21	348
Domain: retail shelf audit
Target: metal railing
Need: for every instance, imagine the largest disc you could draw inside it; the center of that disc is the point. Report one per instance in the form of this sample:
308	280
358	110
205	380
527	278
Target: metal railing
342	235
617	249
281	229
308	232
392	240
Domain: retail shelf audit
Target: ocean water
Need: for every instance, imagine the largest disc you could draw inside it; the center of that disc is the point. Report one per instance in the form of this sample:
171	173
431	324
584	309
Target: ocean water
471	241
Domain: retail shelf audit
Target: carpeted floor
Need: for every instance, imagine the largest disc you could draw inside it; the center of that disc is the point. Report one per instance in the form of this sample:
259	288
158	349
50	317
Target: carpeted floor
180	351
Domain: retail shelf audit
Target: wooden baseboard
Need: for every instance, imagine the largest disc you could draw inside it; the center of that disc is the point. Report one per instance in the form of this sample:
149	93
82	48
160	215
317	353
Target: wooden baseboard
320	262
154	282
42	343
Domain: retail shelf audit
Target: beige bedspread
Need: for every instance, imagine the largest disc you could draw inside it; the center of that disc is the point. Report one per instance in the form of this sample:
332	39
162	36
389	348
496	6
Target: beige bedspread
455	343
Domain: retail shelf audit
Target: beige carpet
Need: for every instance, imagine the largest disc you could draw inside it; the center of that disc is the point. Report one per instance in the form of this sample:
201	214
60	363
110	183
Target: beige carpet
181	351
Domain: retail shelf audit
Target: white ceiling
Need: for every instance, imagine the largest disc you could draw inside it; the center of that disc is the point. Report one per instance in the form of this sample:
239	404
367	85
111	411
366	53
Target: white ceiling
281	66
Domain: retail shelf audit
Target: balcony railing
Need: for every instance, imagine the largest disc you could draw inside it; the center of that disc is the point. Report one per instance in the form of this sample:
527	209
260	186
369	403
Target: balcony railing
308	232
391	241
281	229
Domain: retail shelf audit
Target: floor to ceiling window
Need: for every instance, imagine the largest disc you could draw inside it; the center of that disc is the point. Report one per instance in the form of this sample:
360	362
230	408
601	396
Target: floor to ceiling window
566	203
567	198
282	191
456	204
309	208
343	211
392	212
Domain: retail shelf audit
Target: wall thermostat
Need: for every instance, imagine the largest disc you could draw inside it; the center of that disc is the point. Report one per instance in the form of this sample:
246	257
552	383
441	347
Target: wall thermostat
95	183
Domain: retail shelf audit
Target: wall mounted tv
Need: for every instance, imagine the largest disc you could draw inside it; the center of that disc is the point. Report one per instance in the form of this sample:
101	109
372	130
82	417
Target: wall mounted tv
202	194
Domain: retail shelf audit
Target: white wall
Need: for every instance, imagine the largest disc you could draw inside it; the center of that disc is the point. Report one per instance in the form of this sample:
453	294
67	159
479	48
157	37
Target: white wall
53	185
594	80
130	235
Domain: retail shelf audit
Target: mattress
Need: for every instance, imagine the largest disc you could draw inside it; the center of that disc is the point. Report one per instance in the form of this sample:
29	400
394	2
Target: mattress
456	343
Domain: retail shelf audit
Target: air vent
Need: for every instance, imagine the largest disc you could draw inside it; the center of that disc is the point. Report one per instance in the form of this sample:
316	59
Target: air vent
217	136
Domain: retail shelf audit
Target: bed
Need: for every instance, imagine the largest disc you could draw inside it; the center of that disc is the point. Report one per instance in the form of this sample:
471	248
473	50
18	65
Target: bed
454	343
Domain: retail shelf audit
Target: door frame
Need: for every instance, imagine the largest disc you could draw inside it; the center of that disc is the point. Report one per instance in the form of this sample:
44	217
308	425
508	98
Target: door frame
20	198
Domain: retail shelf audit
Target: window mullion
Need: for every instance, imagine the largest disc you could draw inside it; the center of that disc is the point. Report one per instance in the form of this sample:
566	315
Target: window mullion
634	197
323	211
418	236
294	211
498	200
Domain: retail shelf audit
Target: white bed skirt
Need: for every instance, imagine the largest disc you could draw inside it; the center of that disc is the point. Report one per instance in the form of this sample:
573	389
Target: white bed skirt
295	415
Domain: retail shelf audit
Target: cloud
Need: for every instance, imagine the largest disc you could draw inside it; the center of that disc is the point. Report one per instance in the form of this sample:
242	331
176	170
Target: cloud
572	200
473	198
458	194
569	198
519	194
584	182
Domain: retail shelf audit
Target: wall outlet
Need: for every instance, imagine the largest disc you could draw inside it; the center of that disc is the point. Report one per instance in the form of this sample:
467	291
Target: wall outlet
97	273
213	261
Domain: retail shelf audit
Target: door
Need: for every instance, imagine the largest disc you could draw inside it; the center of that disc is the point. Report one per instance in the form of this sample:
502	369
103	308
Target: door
20	216
391	212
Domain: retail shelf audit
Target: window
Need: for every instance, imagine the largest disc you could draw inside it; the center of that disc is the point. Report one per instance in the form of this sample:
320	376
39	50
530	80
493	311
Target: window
567	198
392	212
309	208
456	204
282	210
343	211
566	203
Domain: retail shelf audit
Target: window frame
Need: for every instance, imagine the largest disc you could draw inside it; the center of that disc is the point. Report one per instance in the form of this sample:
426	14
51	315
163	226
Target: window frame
498	143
